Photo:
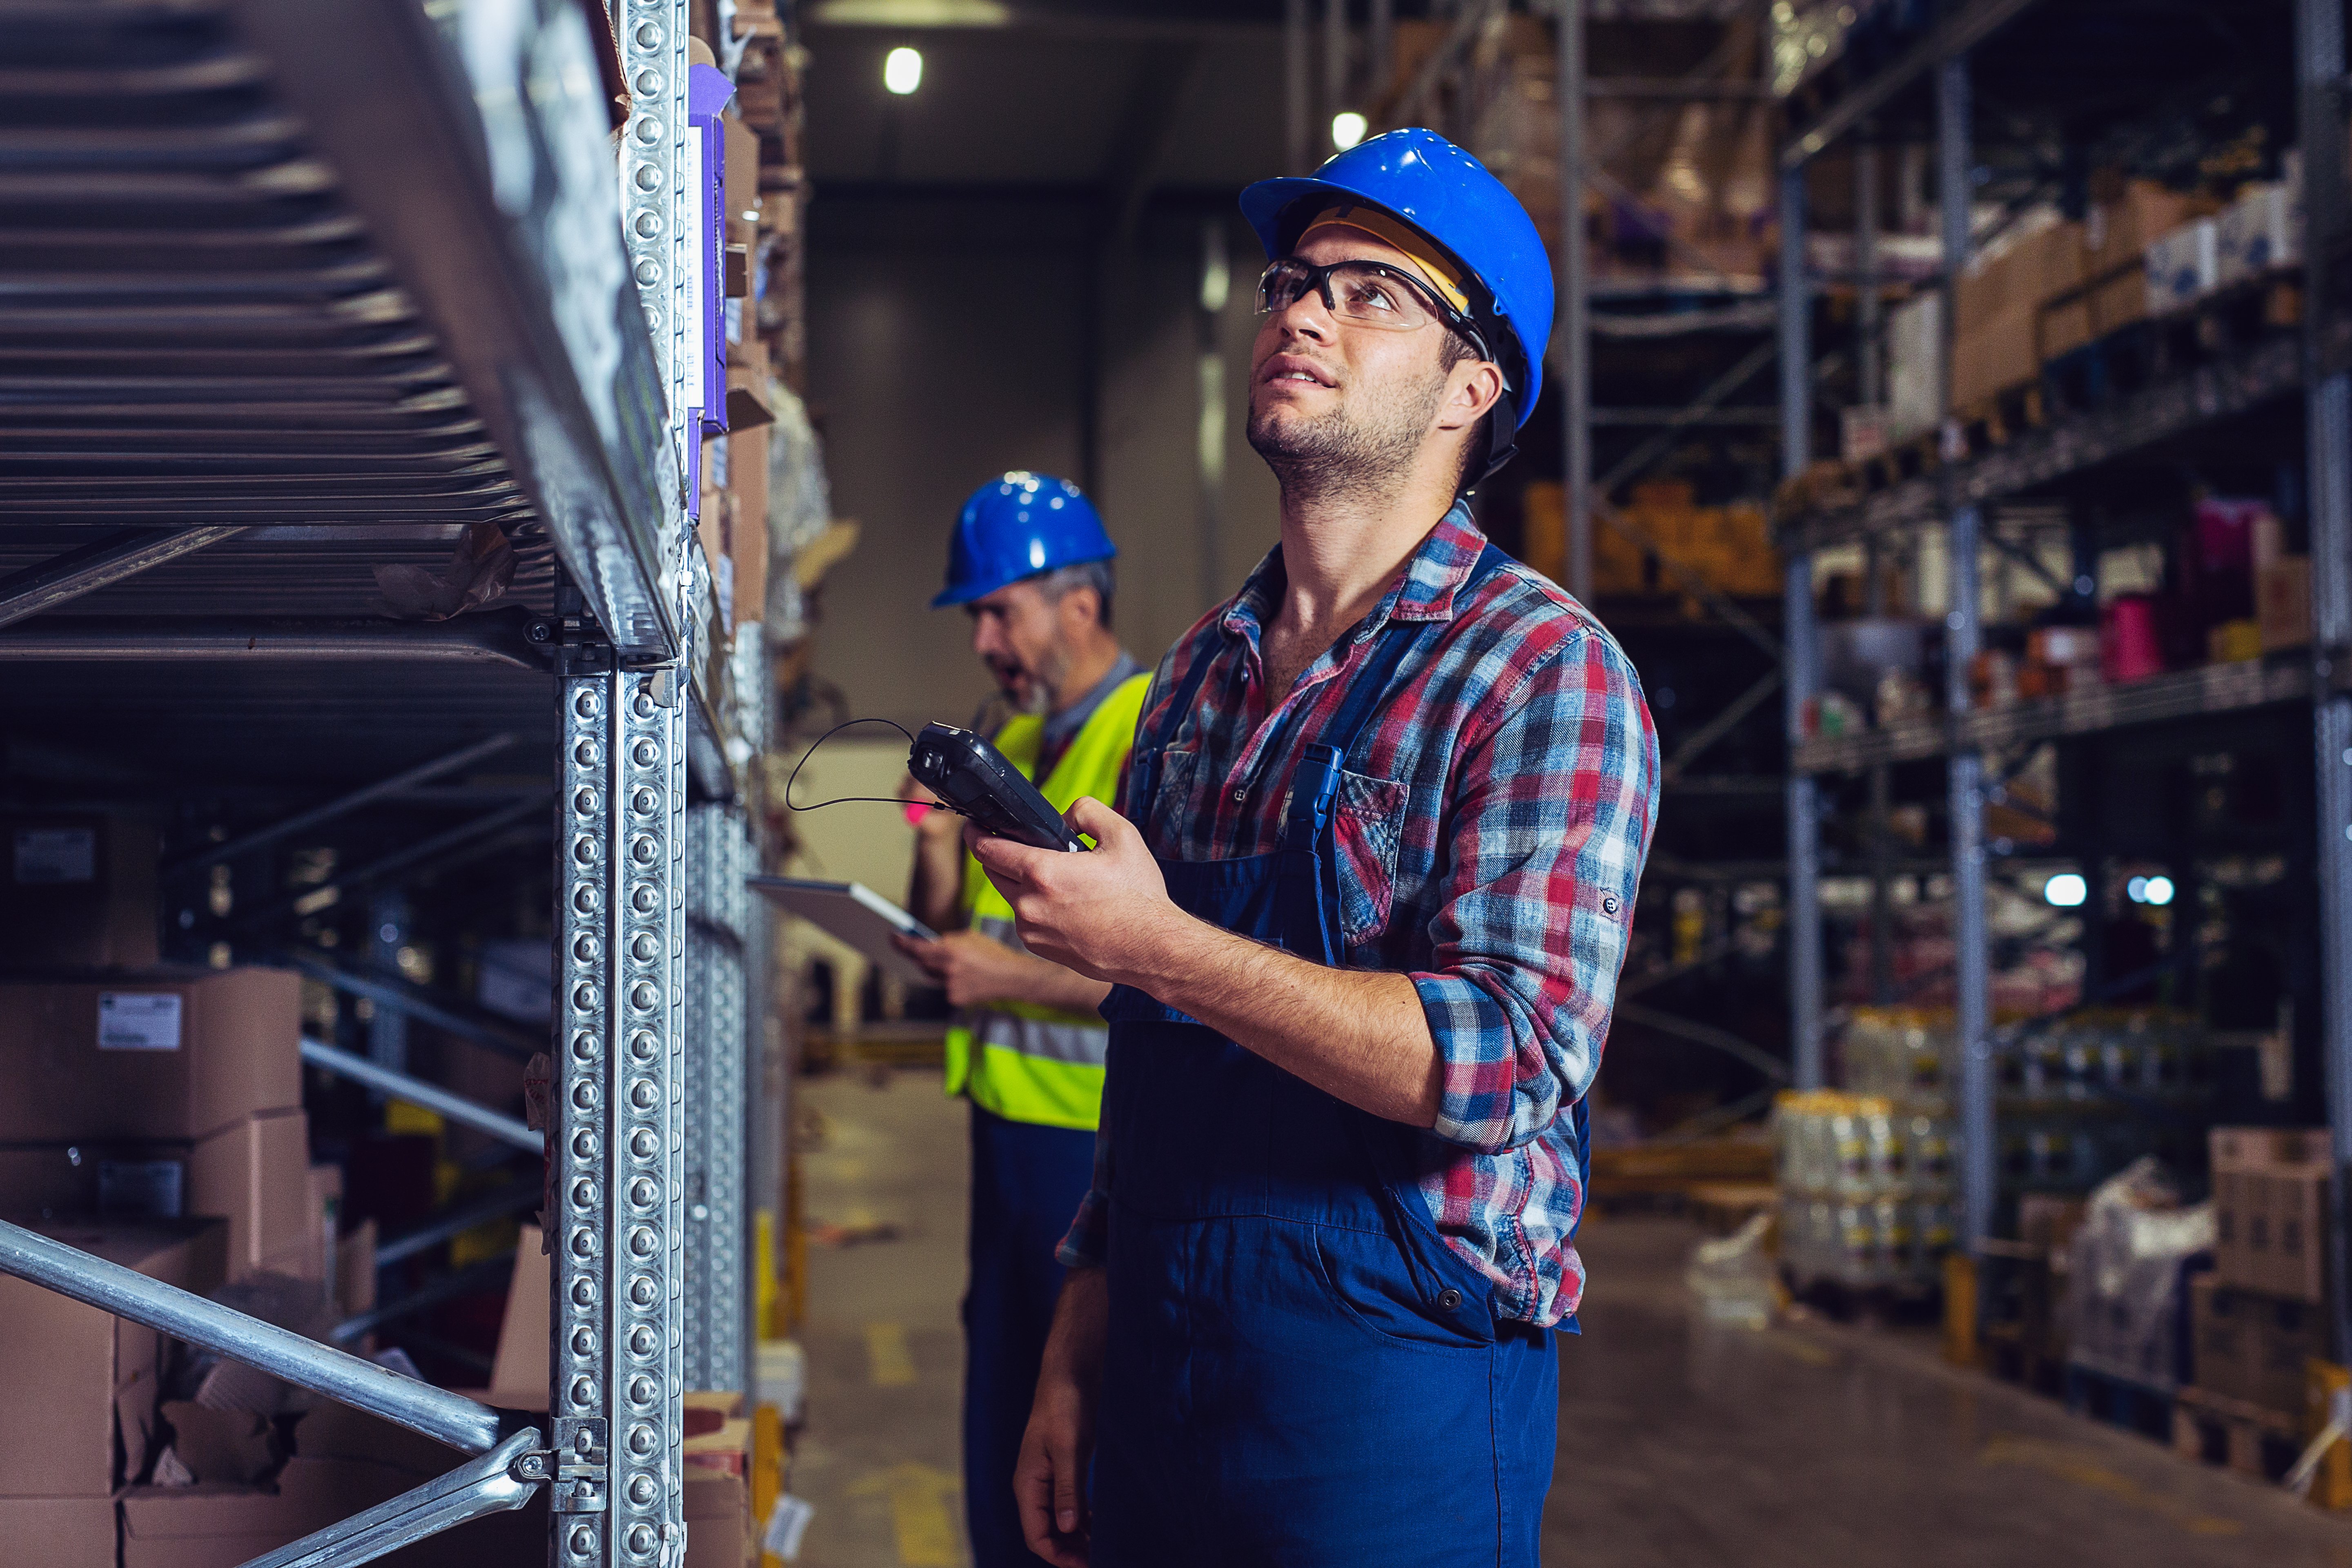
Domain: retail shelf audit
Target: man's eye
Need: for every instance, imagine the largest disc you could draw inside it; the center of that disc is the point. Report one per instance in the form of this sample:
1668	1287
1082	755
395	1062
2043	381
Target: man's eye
1373	297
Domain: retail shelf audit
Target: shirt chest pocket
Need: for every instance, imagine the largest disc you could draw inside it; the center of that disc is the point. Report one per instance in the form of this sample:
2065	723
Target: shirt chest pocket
1367	828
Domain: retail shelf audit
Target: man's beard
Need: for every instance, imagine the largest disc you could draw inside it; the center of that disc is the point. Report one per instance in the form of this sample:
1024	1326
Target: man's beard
1044	676
1340	455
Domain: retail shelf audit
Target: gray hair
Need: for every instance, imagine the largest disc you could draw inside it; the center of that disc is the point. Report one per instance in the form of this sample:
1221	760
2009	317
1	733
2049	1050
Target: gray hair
1096	574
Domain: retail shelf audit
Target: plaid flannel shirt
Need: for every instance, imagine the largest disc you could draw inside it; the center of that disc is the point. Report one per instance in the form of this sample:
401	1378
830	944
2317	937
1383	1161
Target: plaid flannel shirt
1489	851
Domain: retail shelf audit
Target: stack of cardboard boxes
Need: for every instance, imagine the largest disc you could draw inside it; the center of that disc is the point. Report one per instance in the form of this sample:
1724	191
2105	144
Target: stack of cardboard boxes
1727	548
154	1117
2258	1319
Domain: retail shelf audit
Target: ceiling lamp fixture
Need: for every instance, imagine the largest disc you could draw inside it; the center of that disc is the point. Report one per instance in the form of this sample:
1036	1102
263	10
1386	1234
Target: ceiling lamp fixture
1347	128
902	70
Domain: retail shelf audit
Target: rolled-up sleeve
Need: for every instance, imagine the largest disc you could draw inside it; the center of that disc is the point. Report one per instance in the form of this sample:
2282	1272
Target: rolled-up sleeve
1549	827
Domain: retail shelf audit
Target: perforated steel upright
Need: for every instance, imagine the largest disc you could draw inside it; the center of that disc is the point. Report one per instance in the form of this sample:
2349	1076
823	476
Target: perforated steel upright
619	1175
617	1366
718	1020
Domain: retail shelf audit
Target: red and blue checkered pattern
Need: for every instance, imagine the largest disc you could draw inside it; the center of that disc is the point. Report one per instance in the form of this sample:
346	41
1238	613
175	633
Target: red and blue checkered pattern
1490	850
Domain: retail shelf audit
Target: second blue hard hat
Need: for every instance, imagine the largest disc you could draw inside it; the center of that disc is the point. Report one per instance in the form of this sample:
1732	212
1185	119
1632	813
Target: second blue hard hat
1016	526
1422	180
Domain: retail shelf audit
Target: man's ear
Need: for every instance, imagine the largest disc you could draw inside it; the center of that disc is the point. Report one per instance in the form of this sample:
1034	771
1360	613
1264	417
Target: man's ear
1472	390
1079	608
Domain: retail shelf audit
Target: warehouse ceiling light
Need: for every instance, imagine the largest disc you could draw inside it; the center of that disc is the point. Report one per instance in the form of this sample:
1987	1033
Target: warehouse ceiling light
1347	128
2065	891
902	70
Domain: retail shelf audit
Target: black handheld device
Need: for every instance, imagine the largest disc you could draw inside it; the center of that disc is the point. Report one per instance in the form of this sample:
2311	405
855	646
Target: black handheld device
973	776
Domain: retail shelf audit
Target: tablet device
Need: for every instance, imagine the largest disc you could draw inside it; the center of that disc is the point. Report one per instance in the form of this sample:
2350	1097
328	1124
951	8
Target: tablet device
853	914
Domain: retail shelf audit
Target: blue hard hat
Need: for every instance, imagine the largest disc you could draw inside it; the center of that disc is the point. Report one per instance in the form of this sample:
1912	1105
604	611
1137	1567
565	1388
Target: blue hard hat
1422	180
1016	526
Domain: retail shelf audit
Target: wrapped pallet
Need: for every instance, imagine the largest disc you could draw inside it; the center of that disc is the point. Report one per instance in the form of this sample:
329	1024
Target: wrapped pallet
2126	1273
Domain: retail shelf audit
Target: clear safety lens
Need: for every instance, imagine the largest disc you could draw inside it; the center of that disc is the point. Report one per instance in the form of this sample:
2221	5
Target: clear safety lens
1365	292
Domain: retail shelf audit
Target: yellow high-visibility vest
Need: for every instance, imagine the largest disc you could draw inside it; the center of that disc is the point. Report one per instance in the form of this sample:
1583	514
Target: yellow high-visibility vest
1021	1062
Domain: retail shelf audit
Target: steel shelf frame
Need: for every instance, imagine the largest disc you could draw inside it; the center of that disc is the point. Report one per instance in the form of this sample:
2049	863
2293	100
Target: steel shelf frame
1955	497
473	151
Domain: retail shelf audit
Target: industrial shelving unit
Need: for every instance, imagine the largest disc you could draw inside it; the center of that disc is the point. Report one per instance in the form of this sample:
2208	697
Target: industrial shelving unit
1954	498
291	295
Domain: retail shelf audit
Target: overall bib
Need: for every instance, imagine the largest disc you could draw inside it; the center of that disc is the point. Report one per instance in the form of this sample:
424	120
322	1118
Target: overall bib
1299	1371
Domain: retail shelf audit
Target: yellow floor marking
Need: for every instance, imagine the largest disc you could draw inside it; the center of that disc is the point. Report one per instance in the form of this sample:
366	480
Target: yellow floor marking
1798	1349
921	1519
2076	1466
892	1364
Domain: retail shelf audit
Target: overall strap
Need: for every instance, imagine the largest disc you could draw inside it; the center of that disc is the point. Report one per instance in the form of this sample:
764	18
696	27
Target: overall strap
1146	758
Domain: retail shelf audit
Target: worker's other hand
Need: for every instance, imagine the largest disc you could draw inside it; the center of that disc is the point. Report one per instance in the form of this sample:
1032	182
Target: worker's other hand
1049	1480
934	823
1100	913
975	970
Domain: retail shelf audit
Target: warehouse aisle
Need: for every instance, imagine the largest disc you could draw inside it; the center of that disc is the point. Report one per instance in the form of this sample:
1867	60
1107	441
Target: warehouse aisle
1684	1443
886	1161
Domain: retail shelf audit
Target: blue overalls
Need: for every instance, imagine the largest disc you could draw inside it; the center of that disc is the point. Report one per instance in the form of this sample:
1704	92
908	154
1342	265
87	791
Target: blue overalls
1299	1371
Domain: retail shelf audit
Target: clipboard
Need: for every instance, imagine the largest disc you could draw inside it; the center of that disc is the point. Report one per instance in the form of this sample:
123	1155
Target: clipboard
855	914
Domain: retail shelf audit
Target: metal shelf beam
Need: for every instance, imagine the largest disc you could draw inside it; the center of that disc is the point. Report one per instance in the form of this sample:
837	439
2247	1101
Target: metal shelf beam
2208	691
1956	34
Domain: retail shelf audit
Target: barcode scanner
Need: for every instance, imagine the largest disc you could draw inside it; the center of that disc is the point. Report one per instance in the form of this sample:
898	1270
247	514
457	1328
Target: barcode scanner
975	780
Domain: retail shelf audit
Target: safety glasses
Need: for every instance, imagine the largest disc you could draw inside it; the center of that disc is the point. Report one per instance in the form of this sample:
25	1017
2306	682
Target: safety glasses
1364	294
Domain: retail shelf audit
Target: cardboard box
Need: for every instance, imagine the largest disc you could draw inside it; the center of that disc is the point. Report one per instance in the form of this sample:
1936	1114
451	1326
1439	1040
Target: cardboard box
519	1370
59	1532
2040	256
94	1180
353	1289
167	1054
2262	230
718	1513
2120	227
1993	357
84	1385
2288	1335
2282	602
223	1526
739	149
255	1174
2220	1338
81	892
251	1174
2270	1204
2183	265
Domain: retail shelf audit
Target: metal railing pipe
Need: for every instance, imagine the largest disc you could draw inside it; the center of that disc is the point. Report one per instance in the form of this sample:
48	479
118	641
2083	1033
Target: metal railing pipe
416	1091
435	1412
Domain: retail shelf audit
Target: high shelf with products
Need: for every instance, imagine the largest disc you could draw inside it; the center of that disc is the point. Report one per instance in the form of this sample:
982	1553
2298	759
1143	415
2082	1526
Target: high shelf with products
2150	747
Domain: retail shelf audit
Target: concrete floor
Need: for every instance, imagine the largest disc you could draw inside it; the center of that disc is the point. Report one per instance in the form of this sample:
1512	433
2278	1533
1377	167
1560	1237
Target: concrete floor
1682	1443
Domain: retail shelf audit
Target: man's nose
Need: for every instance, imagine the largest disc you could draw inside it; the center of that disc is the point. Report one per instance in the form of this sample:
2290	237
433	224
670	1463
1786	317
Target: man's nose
1307	317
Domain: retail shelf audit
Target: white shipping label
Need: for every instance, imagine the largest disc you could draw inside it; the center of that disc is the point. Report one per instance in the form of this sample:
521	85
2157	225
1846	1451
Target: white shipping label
138	1020
51	855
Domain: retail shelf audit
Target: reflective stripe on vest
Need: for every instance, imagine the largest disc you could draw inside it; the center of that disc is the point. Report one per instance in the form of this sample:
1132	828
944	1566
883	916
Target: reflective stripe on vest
1021	1062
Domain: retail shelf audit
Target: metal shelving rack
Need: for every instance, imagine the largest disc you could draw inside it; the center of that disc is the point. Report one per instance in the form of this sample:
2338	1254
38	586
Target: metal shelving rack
1954	498
277	272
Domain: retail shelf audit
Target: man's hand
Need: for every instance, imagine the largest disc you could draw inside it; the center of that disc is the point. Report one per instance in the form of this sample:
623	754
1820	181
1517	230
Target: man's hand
978	970
1049	1480
1100	912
